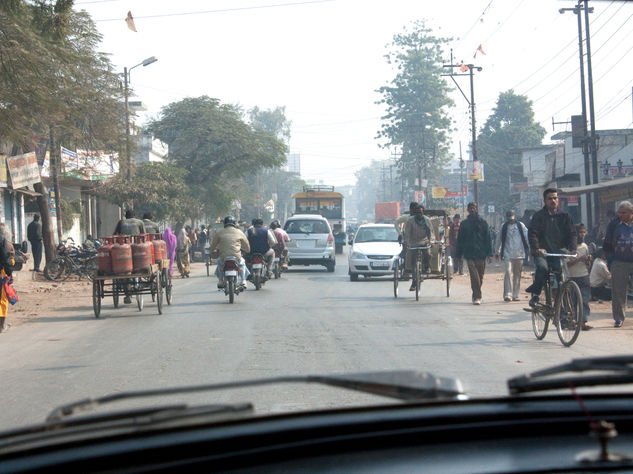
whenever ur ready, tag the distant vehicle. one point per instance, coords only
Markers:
(312, 242)
(374, 250)
(386, 212)
(324, 201)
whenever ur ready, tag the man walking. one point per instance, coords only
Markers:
(618, 247)
(473, 244)
(512, 248)
(34, 234)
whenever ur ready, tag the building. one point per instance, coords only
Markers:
(293, 165)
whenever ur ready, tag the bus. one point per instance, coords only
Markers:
(322, 200)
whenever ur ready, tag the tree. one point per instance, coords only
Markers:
(273, 121)
(417, 103)
(212, 143)
(511, 125)
(155, 187)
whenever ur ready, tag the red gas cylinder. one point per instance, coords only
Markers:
(141, 253)
(104, 256)
(121, 255)
(162, 246)
(150, 237)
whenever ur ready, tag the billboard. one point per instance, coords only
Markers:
(23, 170)
(475, 170)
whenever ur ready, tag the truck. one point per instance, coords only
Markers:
(387, 212)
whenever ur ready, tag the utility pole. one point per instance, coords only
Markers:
(461, 180)
(593, 143)
(471, 71)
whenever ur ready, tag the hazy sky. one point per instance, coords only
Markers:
(323, 60)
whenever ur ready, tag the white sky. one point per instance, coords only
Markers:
(323, 60)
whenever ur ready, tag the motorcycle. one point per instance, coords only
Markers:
(20, 257)
(71, 260)
(231, 270)
(277, 264)
(257, 268)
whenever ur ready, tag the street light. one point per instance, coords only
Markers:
(126, 74)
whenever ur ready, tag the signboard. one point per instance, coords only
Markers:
(4, 179)
(475, 170)
(23, 170)
(491, 209)
(441, 193)
(420, 197)
(84, 164)
(572, 200)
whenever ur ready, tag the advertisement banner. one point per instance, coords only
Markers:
(420, 197)
(4, 179)
(442, 193)
(23, 170)
(475, 170)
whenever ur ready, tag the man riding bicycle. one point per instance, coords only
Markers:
(417, 233)
(550, 231)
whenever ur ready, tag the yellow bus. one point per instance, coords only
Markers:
(324, 201)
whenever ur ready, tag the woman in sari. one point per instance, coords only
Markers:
(6, 269)
(171, 241)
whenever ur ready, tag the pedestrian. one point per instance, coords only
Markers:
(193, 242)
(34, 235)
(130, 225)
(512, 247)
(578, 271)
(6, 271)
(453, 232)
(618, 247)
(171, 242)
(599, 276)
(182, 250)
(473, 244)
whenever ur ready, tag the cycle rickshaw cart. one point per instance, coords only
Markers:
(152, 281)
(441, 263)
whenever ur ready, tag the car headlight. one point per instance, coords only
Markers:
(358, 255)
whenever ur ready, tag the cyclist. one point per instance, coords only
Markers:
(550, 231)
(417, 233)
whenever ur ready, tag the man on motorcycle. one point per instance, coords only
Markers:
(282, 237)
(230, 242)
(262, 241)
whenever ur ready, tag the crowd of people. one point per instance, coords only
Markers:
(601, 267)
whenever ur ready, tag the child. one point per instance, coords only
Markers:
(599, 277)
(579, 272)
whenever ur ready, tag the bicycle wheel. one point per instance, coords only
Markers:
(540, 322)
(569, 313)
(418, 278)
(54, 269)
(96, 297)
(448, 274)
(396, 276)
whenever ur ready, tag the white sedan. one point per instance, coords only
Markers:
(373, 251)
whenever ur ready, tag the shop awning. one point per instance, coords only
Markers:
(25, 191)
(614, 190)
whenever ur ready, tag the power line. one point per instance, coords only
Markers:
(223, 10)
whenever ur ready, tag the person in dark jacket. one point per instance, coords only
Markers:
(618, 247)
(34, 235)
(550, 231)
(474, 245)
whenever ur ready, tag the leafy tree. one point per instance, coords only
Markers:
(511, 125)
(212, 143)
(272, 121)
(156, 187)
(417, 102)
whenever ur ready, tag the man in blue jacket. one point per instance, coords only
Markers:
(262, 241)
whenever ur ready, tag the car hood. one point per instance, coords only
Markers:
(378, 248)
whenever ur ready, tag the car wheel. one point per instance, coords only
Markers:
(353, 276)
(330, 266)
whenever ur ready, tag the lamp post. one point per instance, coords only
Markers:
(126, 74)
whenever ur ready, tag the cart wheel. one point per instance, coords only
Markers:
(159, 293)
(168, 293)
(139, 302)
(152, 287)
(396, 276)
(96, 297)
(115, 293)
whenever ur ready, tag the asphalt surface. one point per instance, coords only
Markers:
(308, 322)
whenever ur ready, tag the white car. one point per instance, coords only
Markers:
(373, 251)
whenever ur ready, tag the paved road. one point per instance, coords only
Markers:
(310, 321)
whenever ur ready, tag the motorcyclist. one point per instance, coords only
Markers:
(230, 242)
(262, 241)
(282, 237)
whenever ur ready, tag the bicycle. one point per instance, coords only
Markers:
(565, 308)
(417, 268)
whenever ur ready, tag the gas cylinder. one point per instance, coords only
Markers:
(150, 237)
(141, 253)
(104, 256)
(161, 245)
(121, 255)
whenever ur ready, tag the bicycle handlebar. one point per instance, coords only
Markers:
(562, 255)
(426, 247)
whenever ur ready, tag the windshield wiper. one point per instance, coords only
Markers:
(402, 385)
(620, 368)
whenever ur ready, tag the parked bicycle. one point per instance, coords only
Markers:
(71, 260)
(563, 305)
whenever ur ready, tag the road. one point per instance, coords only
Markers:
(309, 322)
